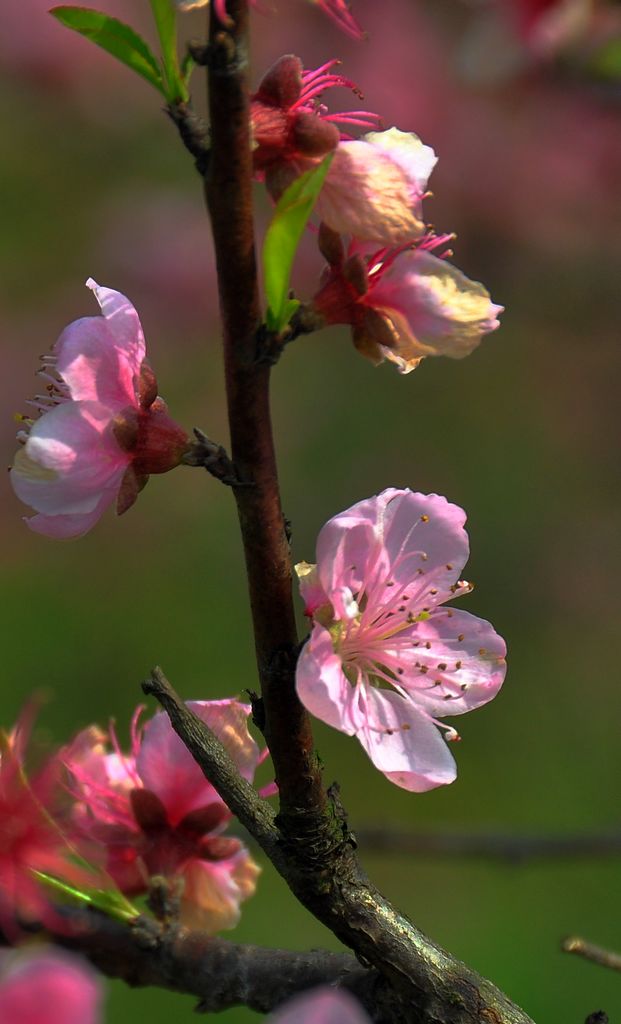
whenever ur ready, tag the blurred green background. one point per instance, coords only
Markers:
(524, 434)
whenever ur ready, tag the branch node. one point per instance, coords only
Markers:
(213, 457)
(193, 132)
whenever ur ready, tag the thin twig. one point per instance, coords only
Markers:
(515, 849)
(266, 548)
(588, 950)
(242, 799)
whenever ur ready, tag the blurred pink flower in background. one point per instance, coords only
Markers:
(509, 35)
(404, 304)
(101, 430)
(41, 986)
(34, 824)
(152, 812)
(338, 10)
(321, 1006)
(385, 659)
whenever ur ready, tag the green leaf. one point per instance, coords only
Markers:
(282, 239)
(111, 902)
(116, 38)
(187, 67)
(166, 22)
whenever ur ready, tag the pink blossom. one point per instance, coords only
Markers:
(321, 1006)
(101, 428)
(375, 187)
(47, 987)
(338, 10)
(291, 127)
(33, 828)
(152, 812)
(510, 34)
(403, 304)
(385, 659)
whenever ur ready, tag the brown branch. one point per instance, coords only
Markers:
(421, 983)
(597, 954)
(242, 799)
(266, 548)
(515, 849)
(220, 974)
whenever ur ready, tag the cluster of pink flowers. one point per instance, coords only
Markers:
(386, 658)
(403, 300)
(152, 812)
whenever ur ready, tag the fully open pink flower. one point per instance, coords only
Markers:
(338, 10)
(375, 187)
(321, 1006)
(386, 659)
(48, 987)
(153, 812)
(292, 129)
(101, 428)
(403, 304)
(33, 830)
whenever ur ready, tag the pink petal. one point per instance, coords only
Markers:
(167, 768)
(70, 461)
(440, 311)
(414, 541)
(321, 1006)
(99, 357)
(375, 185)
(404, 744)
(462, 660)
(50, 987)
(213, 891)
(322, 686)
(406, 149)
(70, 527)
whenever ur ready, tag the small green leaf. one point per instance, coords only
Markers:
(116, 38)
(110, 902)
(282, 239)
(166, 22)
(187, 67)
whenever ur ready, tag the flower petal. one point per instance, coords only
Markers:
(213, 891)
(322, 686)
(168, 769)
(370, 194)
(399, 537)
(404, 744)
(458, 663)
(99, 357)
(70, 461)
(435, 308)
